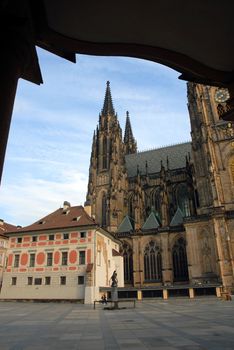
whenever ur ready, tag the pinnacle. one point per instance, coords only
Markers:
(108, 104)
(128, 135)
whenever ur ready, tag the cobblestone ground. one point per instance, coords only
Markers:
(183, 324)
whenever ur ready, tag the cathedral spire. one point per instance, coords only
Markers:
(108, 104)
(129, 140)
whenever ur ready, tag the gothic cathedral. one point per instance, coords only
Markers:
(172, 207)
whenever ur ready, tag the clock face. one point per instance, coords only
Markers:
(222, 95)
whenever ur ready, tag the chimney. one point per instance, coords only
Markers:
(66, 205)
(1, 222)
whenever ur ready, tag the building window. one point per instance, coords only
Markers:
(19, 240)
(63, 280)
(51, 237)
(82, 257)
(30, 281)
(16, 262)
(183, 199)
(80, 279)
(47, 280)
(131, 209)
(38, 281)
(64, 258)
(83, 234)
(152, 262)
(32, 260)
(99, 258)
(34, 238)
(128, 263)
(156, 201)
(109, 263)
(180, 264)
(104, 210)
(13, 281)
(104, 163)
(49, 259)
(66, 236)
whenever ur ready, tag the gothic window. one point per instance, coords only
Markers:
(104, 163)
(104, 210)
(183, 199)
(156, 200)
(128, 263)
(152, 263)
(179, 257)
(131, 211)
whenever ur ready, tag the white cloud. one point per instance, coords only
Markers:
(32, 198)
(50, 139)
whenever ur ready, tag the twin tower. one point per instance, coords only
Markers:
(108, 185)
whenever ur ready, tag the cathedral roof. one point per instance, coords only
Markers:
(174, 155)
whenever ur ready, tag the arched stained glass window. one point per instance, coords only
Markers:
(179, 257)
(152, 262)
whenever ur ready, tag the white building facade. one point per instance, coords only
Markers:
(64, 256)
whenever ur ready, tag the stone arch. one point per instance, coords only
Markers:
(152, 262)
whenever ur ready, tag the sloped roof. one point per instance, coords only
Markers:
(125, 225)
(5, 227)
(151, 222)
(175, 154)
(115, 253)
(177, 218)
(72, 217)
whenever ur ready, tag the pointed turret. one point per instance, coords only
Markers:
(129, 140)
(108, 104)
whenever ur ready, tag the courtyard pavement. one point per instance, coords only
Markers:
(183, 324)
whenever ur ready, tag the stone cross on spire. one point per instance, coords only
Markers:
(108, 104)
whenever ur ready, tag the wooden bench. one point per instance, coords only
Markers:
(111, 302)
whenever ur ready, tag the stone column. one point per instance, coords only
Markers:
(166, 259)
(224, 252)
(192, 249)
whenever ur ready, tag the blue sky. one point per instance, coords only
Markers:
(49, 145)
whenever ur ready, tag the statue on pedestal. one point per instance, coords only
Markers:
(114, 279)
